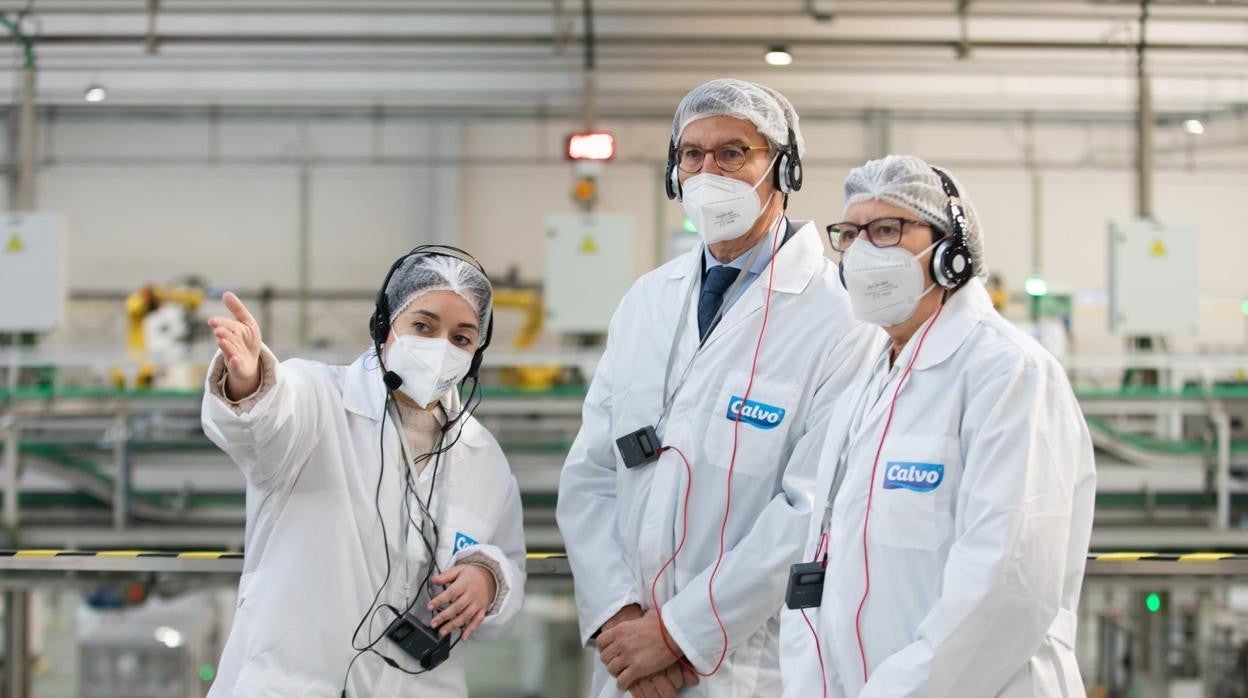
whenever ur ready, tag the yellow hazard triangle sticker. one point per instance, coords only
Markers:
(15, 244)
(589, 245)
(1158, 249)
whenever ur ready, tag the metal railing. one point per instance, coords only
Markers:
(1204, 564)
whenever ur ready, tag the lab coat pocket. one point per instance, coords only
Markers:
(765, 419)
(915, 481)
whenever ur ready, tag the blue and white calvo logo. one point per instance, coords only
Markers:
(757, 414)
(916, 477)
(462, 541)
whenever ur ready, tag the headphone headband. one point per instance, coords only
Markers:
(957, 215)
(952, 265)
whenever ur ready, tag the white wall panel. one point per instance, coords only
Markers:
(490, 183)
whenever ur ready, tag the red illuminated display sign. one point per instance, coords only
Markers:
(591, 146)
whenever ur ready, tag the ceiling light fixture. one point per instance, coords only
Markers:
(95, 93)
(778, 55)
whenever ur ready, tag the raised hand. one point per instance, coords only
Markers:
(238, 338)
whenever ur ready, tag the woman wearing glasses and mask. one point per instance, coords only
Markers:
(383, 522)
(953, 505)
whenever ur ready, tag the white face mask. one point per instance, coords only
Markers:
(885, 284)
(429, 366)
(722, 208)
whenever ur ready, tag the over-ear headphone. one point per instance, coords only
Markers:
(379, 322)
(951, 260)
(671, 179)
(786, 175)
(788, 172)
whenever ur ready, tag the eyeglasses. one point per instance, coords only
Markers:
(881, 232)
(728, 158)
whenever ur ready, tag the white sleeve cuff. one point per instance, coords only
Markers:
(683, 643)
(477, 558)
(217, 375)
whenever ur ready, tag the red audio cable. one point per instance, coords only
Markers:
(866, 563)
(684, 526)
(823, 672)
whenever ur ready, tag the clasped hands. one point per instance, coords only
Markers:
(634, 647)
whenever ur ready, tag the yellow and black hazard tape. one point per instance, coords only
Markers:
(222, 555)
(185, 555)
(1165, 557)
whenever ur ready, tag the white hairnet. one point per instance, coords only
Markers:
(909, 182)
(426, 273)
(762, 106)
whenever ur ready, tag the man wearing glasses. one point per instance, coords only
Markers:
(685, 497)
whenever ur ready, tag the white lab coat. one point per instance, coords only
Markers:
(974, 584)
(310, 453)
(620, 525)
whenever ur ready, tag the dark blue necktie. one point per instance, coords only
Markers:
(718, 279)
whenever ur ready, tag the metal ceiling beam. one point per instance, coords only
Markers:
(568, 112)
(894, 43)
(1201, 11)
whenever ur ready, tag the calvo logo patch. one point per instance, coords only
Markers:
(754, 413)
(462, 541)
(916, 477)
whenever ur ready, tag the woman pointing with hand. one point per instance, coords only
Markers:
(383, 522)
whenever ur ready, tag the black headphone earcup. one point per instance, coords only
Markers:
(795, 175)
(375, 329)
(960, 267)
(671, 178)
(672, 182)
(788, 175)
(937, 264)
(951, 264)
(788, 179)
